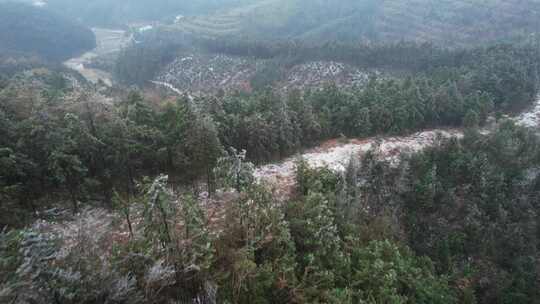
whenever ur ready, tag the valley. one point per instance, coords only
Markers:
(269, 151)
(109, 43)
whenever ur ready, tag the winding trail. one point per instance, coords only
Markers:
(168, 86)
(172, 88)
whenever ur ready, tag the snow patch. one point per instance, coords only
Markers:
(282, 176)
(530, 119)
(145, 28)
(39, 3)
(336, 156)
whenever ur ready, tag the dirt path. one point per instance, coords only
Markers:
(172, 88)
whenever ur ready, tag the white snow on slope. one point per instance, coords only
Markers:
(531, 118)
(336, 155)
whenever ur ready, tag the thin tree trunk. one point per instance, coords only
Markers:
(73, 200)
(128, 218)
(209, 181)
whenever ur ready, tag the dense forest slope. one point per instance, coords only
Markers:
(28, 30)
(413, 179)
(453, 23)
(114, 13)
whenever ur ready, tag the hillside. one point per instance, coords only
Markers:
(428, 219)
(28, 30)
(210, 73)
(453, 23)
(278, 18)
(121, 12)
(269, 151)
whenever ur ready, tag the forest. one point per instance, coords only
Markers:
(27, 31)
(443, 227)
(458, 23)
(459, 227)
(118, 13)
(139, 192)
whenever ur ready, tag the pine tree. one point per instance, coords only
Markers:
(471, 119)
(321, 261)
(363, 124)
(204, 148)
(159, 214)
(195, 251)
(261, 244)
(303, 117)
(174, 122)
(69, 170)
(234, 171)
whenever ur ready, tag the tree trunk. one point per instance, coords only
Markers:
(73, 200)
(128, 218)
(209, 181)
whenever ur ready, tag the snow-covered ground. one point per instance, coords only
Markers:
(203, 74)
(317, 74)
(335, 155)
(172, 88)
(39, 3)
(531, 118)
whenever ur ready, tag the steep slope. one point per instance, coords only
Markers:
(29, 30)
(199, 74)
(461, 22)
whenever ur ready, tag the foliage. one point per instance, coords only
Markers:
(234, 171)
(454, 223)
(180, 243)
(470, 204)
(87, 148)
(383, 273)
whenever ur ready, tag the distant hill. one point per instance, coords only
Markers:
(109, 13)
(445, 22)
(27, 30)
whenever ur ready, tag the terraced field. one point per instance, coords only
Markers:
(455, 23)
